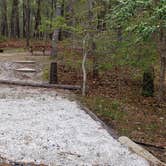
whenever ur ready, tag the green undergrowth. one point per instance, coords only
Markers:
(45, 74)
(15, 50)
(105, 107)
(3, 38)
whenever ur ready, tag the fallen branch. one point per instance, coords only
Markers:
(41, 85)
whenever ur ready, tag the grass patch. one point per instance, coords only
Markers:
(15, 50)
(46, 71)
(105, 107)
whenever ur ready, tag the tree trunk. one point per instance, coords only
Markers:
(15, 29)
(56, 34)
(69, 17)
(4, 24)
(24, 19)
(38, 19)
(62, 14)
(93, 44)
(51, 16)
(85, 54)
(95, 61)
(161, 43)
(162, 78)
(101, 24)
(27, 22)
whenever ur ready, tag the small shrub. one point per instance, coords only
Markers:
(104, 107)
(45, 74)
(115, 105)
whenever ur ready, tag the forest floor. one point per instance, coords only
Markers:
(115, 97)
(44, 126)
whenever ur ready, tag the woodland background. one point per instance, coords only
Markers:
(121, 46)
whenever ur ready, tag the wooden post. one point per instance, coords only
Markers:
(148, 83)
(53, 73)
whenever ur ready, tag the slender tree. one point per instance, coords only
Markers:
(56, 33)
(15, 23)
(37, 19)
(24, 18)
(4, 23)
(27, 22)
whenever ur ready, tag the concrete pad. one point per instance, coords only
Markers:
(140, 150)
(27, 70)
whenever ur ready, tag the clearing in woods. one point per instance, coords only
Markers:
(42, 126)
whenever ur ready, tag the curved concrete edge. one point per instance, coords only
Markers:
(111, 131)
(140, 151)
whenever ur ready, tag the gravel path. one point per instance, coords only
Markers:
(8, 71)
(41, 126)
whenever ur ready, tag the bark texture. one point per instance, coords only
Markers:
(38, 19)
(4, 23)
(15, 27)
(57, 31)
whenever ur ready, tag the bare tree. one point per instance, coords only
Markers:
(85, 54)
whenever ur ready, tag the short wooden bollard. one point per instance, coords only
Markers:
(148, 83)
(53, 73)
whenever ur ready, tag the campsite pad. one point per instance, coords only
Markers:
(42, 126)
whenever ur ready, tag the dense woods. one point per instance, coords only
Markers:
(128, 24)
(114, 49)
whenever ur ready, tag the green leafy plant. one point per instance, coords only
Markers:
(146, 20)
